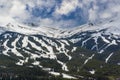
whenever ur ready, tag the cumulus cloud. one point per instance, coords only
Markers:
(67, 6)
(18, 10)
(105, 15)
(93, 12)
(12, 10)
(57, 13)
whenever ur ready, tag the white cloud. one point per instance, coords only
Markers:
(112, 10)
(54, 23)
(115, 9)
(5, 20)
(12, 9)
(93, 12)
(90, 10)
(18, 9)
(105, 15)
(15, 10)
(92, 15)
(67, 6)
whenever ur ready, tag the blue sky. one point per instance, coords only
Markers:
(58, 13)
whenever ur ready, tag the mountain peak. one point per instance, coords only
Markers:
(111, 26)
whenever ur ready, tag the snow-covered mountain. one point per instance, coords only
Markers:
(111, 27)
(55, 50)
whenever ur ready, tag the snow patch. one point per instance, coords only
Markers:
(89, 58)
(64, 67)
(74, 49)
(92, 71)
(106, 61)
(54, 73)
(68, 76)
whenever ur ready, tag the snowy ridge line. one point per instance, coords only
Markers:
(110, 27)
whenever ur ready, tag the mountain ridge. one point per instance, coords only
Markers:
(111, 26)
(72, 50)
